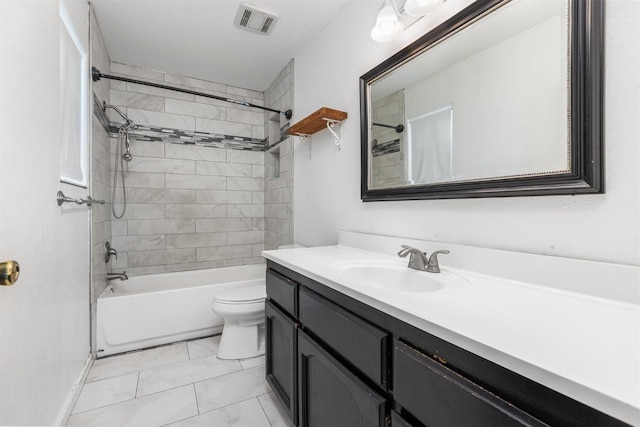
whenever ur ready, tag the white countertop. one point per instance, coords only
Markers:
(584, 346)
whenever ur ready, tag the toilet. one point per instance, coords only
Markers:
(242, 309)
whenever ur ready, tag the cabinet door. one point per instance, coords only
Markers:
(281, 357)
(330, 395)
(439, 397)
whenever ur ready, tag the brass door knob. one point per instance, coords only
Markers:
(9, 273)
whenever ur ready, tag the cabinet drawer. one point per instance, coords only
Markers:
(362, 344)
(283, 291)
(438, 396)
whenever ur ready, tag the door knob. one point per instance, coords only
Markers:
(9, 273)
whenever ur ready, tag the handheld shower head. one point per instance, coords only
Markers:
(127, 156)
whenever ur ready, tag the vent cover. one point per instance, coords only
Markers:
(255, 19)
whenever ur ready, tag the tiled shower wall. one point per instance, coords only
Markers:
(100, 178)
(189, 207)
(387, 165)
(278, 205)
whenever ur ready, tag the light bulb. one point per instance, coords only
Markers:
(420, 7)
(387, 27)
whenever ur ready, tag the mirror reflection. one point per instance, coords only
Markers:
(489, 102)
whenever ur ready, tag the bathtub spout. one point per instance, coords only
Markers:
(121, 276)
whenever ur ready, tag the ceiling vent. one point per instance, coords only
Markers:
(255, 19)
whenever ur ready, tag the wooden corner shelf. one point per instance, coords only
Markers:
(316, 122)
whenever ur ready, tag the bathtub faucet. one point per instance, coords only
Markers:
(121, 276)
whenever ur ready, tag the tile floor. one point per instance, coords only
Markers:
(183, 384)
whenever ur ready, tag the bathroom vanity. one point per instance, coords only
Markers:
(346, 348)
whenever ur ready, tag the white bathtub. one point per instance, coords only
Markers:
(149, 310)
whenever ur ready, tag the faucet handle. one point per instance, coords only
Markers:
(432, 265)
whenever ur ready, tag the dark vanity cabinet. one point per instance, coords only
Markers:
(281, 340)
(335, 361)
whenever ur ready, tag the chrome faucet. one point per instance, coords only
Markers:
(121, 276)
(418, 260)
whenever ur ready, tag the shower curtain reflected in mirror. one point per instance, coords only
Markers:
(429, 147)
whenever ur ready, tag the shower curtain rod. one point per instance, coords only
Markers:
(97, 75)
(399, 128)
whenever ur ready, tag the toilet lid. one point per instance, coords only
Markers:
(243, 294)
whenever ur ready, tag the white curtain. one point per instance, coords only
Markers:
(430, 138)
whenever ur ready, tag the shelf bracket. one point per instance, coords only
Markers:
(304, 137)
(330, 125)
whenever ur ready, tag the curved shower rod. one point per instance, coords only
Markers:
(97, 75)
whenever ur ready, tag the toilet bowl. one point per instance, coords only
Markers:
(242, 309)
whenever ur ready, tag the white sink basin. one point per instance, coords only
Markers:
(395, 277)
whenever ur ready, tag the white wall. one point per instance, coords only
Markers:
(44, 317)
(327, 193)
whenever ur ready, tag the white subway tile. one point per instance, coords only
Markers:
(222, 169)
(232, 90)
(161, 120)
(198, 240)
(137, 243)
(140, 101)
(194, 83)
(222, 127)
(154, 164)
(241, 183)
(144, 73)
(245, 157)
(246, 211)
(146, 148)
(160, 226)
(194, 109)
(223, 252)
(222, 224)
(144, 180)
(223, 197)
(195, 152)
(144, 211)
(144, 195)
(245, 116)
(200, 182)
(244, 237)
(134, 87)
(196, 211)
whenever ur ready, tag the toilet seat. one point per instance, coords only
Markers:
(242, 295)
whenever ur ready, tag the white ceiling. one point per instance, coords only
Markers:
(197, 38)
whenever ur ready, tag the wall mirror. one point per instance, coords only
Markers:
(503, 99)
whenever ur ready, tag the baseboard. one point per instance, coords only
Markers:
(69, 403)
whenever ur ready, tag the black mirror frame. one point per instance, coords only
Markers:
(586, 121)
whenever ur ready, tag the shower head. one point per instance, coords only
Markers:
(127, 156)
(129, 125)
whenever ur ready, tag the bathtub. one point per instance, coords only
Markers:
(155, 309)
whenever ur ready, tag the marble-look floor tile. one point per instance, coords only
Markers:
(190, 371)
(106, 392)
(228, 389)
(204, 347)
(153, 410)
(274, 410)
(253, 362)
(132, 362)
(243, 414)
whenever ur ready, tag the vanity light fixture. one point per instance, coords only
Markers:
(391, 20)
(388, 26)
(420, 7)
